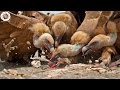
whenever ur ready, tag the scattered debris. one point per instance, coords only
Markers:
(100, 70)
(36, 63)
(12, 72)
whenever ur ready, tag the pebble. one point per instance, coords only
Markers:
(90, 61)
(97, 61)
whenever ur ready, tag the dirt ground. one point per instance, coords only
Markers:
(73, 71)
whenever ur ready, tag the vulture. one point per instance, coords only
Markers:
(64, 52)
(63, 26)
(16, 36)
(36, 14)
(86, 30)
(106, 42)
(93, 24)
(44, 42)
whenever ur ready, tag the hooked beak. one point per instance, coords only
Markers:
(50, 49)
(57, 41)
(53, 57)
(86, 50)
(49, 46)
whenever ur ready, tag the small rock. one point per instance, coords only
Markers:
(90, 61)
(5, 71)
(13, 72)
(97, 61)
(102, 70)
(10, 72)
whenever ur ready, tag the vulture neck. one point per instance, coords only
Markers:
(113, 38)
(78, 47)
(73, 51)
(35, 41)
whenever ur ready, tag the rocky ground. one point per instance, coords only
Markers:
(74, 71)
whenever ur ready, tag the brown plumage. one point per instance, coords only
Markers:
(106, 55)
(86, 29)
(35, 14)
(16, 39)
(117, 21)
(22, 21)
(59, 29)
(80, 37)
(93, 24)
(100, 41)
(39, 28)
(69, 26)
(17, 45)
(42, 38)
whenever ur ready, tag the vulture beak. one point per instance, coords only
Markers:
(54, 56)
(49, 46)
(86, 50)
(90, 47)
(57, 41)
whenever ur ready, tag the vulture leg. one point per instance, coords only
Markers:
(106, 55)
